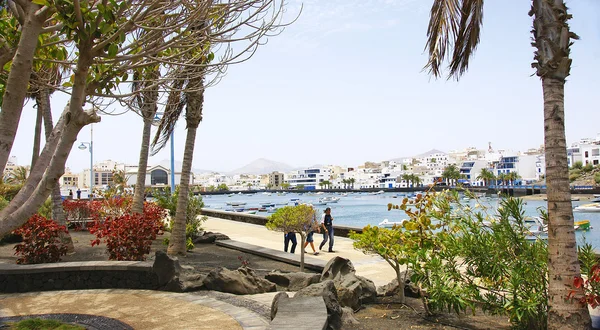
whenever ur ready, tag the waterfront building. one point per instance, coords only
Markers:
(275, 179)
(309, 178)
(471, 169)
(433, 160)
(586, 153)
(69, 180)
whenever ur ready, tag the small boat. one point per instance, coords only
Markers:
(235, 203)
(582, 225)
(251, 212)
(378, 192)
(319, 203)
(267, 204)
(595, 200)
(389, 224)
(538, 230)
(594, 207)
(329, 199)
(294, 199)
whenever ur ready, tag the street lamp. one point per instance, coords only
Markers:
(90, 145)
(172, 138)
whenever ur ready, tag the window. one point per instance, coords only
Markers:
(595, 162)
(595, 152)
(159, 177)
(586, 154)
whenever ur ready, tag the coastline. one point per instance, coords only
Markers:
(541, 197)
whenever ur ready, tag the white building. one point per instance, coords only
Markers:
(309, 178)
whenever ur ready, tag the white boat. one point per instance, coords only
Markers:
(378, 192)
(319, 203)
(389, 224)
(235, 203)
(537, 230)
(329, 199)
(594, 207)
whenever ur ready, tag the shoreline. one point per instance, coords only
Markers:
(541, 197)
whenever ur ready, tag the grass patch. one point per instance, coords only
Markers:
(40, 324)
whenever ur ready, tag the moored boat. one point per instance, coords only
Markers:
(389, 224)
(594, 207)
(582, 225)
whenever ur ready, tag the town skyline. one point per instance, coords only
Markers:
(297, 100)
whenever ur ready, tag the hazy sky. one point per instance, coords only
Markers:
(344, 85)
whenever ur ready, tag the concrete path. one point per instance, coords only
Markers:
(140, 309)
(369, 266)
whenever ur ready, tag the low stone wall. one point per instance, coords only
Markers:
(77, 275)
(341, 231)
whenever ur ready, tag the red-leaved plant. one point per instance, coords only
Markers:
(590, 287)
(41, 241)
(130, 236)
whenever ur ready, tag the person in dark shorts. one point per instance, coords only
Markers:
(310, 240)
(327, 227)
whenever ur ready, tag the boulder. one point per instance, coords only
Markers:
(348, 316)
(193, 282)
(275, 303)
(167, 269)
(352, 290)
(218, 236)
(393, 289)
(326, 289)
(240, 281)
(293, 281)
(205, 239)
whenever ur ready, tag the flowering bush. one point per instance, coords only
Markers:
(588, 287)
(41, 241)
(79, 210)
(130, 236)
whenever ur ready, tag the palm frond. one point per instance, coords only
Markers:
(468, 36)
(173, 109)
(441, 33)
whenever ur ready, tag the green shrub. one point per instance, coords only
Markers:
(45, 209)
(597, 178)
(588, 168)
(193, 222)
(574, 176)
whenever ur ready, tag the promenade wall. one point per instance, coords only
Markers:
(341, 231)
(77, 276)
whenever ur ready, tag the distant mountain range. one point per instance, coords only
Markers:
(178, 165)
(262, 166)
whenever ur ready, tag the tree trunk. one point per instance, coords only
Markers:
(178, 239)
(17, 82)
(37, 134)
(58, 215)
(563, 264)
(140, 184)
(50, 166)
(552, 40)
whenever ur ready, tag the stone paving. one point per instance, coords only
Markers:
(140, 309)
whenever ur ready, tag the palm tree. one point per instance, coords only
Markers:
(300, 187)
(416, 180)
(407, 178)
(453, 33)
(17, 175)
(327, 184)
(321, 184)
(351, 181)
(451, 174)
(486, 175)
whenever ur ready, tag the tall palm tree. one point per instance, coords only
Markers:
(407, 178)
(351, 181)
(486, 175)
(453, 33)
(451, 174)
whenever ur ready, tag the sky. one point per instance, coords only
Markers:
(344, 84)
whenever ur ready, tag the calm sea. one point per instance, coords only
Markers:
(361, 209)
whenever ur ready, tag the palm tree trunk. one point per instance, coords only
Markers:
(37, 134)
(58, 215)
(195, 101)
(140, 185)
(563, 264)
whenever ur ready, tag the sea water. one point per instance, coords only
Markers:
(361, 209)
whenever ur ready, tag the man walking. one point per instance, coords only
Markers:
(327, 226)
(287, 238)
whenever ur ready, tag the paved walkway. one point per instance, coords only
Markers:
(141, 309)
(369, 266)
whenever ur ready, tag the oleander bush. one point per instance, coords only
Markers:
(41, 241)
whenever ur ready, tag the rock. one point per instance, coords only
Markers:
(193, 282)
(293, 281)
(218, 236)
(166, 268)
(205, 239)
(392, 288)
(240, 281)
(326, 289)
(275, 303)
(352, 290)
(348, 316)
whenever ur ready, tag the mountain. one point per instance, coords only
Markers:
(262, 166)
(167, 164)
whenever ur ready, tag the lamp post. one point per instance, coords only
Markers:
(172, 138)
(90, 145)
